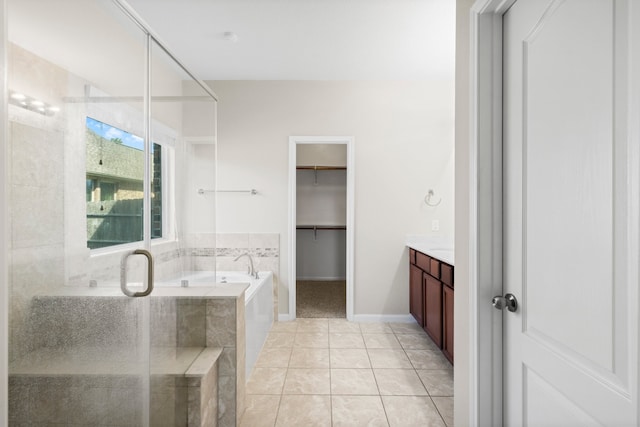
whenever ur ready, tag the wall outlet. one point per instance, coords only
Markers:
(435, 225)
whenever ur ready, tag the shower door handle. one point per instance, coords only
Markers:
(123, 273)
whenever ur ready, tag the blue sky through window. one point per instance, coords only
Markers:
(112, 133)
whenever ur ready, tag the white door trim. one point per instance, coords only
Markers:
(485, 227)
(293, 144)
(4, 224)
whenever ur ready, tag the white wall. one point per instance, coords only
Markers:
(321, 155)
(462, 384)
(403, 146)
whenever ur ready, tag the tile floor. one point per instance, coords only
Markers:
(331, 372)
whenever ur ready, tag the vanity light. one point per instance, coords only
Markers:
(32, 104)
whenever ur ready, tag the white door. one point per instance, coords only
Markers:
(570, 215)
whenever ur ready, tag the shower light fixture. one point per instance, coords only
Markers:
(32, 104)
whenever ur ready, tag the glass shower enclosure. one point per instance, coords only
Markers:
(102, 126)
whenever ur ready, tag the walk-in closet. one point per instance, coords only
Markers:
(321, 206)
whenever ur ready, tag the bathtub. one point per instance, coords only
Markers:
(258, 299)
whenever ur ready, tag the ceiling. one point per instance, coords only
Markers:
(307, 39)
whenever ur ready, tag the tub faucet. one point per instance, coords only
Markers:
(252, 271)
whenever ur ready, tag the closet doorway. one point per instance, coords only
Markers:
(321, 227)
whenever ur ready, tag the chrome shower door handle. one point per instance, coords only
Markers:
(508, 301)
(123, 273)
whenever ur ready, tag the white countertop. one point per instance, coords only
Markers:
(437, 247)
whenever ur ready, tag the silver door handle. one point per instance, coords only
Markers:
(123, 273)
(508, 301)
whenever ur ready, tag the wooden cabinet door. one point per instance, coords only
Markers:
(433, 309)
(415, 294)
(447, 318)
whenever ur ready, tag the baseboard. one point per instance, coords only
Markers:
(365, 318)
(386, 318)
(321, 279)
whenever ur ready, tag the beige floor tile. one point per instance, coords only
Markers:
(289, 327)
(417, 342)
(406, 328)
(313, 325)
(261, 411)
(343, 326)
(350, 411)
(411, 411)
(307, 411)
(279, 339)
(307, 381)
(312, 340)
(445, 407)
(381, 341)
(388, 358)
(346, 340)
(266, 381)
(399, 382)
(427, 359)
(375, 328)
(437, 382)
(309, 358)
(274, 357)
(353, 382)
(349, 358)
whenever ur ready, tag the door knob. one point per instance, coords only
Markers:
(508, 301)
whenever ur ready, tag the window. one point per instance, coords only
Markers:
(115, 186)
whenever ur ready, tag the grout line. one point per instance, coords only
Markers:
(439, 413)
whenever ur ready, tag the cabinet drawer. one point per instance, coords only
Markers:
(434, 268)
(446, 274)
(423, 261)
(412, 256)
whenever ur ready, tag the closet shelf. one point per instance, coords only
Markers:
(321, 227)
(322, 168)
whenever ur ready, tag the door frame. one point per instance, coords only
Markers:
(485, 198)
(294, 141)
(485, 207)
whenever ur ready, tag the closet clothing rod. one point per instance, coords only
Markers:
(315, 228)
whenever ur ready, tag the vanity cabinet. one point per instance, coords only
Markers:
(431, 287)
(415, 294)
(447, 319)
(433, 308)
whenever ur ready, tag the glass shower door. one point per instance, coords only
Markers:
(79, 200)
